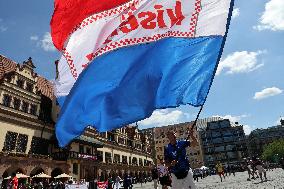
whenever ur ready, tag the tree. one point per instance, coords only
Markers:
(274, 151)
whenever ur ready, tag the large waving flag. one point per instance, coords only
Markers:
(124, 59)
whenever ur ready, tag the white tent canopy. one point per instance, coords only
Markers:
(204, 168)
(42, 175)
(18, 175)
(63, 175)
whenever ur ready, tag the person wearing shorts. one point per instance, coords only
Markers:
(220, 170)
(260, 169)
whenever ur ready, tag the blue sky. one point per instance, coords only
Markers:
(250, 81)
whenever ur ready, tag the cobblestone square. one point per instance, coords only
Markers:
(275, 181)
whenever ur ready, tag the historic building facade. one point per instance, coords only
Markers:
(258, 138)
(25, 120)
(28, 113)
(223, 141)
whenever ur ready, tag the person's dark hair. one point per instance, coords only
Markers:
(13, 174)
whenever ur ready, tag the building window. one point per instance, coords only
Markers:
(140, 162)
(17, 103)
(100, 156)
(33, 109)
(75, 168)
(15, 141)
(108, 157)
(81, 149)
(134, 161)
(10, 141)
(88, 151)
(9, 78)
(116, 158)
(22, 143)
(25, 107)
(124, 159)
(103, 134)
(39, 146)
(29, 87)
(20, 83)
(120, 140)
(6, 100)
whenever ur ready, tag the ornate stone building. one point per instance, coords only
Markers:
(28, 113)
(25, 120)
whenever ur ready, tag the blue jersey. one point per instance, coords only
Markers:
(177, 152)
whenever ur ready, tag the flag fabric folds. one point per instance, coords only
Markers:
(124, 59)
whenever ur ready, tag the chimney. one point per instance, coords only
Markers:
(56, 68)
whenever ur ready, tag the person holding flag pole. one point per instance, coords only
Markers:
(176, 160)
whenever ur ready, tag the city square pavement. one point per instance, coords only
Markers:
(275, 181)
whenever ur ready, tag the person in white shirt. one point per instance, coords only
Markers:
(164, 176)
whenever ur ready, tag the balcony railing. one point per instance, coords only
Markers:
(63, 156)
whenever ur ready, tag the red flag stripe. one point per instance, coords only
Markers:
(69, 13)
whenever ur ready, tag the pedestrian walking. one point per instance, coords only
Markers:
(177, 161)
(155, 176)
(220, 170)
(261, 170)
(14, 181)
(117, 182)
(164, 175)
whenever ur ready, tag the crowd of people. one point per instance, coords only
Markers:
(25, 183)
(173, 171)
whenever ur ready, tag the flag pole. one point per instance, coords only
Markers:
(195, 122)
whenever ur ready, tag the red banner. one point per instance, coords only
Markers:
(102, 185)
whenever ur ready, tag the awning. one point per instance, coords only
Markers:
(89, 141)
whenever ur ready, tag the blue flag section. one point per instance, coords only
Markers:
(127, 85)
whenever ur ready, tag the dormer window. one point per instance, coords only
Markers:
(33, 109)
(25, 106)
(20, 83)
(29, 87)
(17, 103)
(6, 100)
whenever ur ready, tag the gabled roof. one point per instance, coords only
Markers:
(6, 66)
(43, 85)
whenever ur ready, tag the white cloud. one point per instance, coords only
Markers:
(46, 42)
(232, 118)
(247, 129)
(267, 92)
(236, 13)
(277, 122)
(164, 117)
(273, 16)
(34, 38)
(240, 62)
